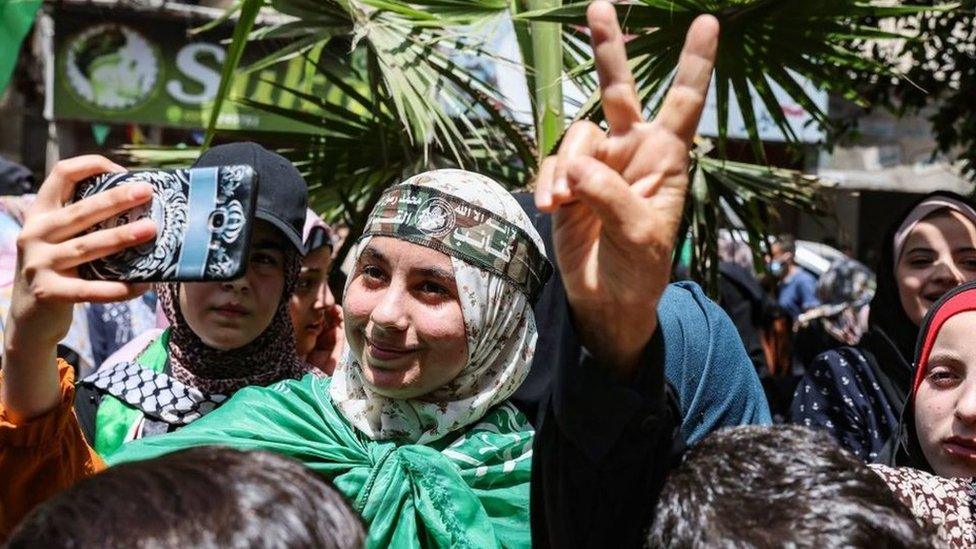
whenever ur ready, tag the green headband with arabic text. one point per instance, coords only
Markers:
(453, 226)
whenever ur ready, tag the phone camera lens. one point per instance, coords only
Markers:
(217, 220)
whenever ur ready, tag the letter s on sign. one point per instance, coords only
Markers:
(189, 65)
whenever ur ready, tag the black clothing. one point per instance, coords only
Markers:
(552, 325)
(883, 358)
(15, 179)
(87, 401)
(892, 334)
(602, 447)
(602, 452)
(744, 301)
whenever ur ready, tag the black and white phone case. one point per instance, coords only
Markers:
(203, 225)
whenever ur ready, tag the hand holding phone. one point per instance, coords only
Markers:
(51, 245)
(203, 225)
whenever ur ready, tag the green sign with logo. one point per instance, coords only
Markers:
(148, 72)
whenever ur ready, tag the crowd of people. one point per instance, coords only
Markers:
(505, 370)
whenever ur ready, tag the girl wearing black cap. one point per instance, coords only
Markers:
(416, 424)
(223, 336)
(858, 392)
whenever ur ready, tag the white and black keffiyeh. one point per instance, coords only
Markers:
(157, 395)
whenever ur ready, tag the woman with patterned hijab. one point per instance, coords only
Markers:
(414, 426)
(222, 336)
(857, 392)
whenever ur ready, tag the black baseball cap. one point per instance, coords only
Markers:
(282, 191)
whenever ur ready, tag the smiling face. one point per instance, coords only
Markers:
(229, 315)
(945, 405)
(312, 299)
(404, 319)
(939, 254)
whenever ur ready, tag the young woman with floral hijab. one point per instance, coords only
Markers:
(415, 425)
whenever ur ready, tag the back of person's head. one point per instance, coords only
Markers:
(786, 243)
(202, 497)
(783, 486)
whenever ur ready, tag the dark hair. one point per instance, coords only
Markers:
(787, 243)
(752, 486)
(317, 238)
(202, 497)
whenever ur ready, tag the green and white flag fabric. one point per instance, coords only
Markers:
(469, 489)
(16, 18)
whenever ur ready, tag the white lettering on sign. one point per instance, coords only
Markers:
(188, 63)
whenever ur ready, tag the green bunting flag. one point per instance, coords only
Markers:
(16, 18)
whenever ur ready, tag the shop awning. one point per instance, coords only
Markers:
(917, 179)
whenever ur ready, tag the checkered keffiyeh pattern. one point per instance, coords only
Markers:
(157, 395)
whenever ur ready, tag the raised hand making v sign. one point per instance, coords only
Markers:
(606, 441)
(617, 196)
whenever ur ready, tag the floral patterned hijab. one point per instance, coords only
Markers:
(499, 264)
(268, 358)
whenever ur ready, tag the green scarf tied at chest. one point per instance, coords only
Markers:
(468, 490)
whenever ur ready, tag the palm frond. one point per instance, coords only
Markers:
(737, 195)
(763, 44)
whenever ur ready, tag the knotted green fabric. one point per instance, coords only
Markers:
(464, 490)
(114, 418)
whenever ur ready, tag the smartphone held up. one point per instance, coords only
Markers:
(203, 225)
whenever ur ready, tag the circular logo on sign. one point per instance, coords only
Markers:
(435, 217)
(111, 67)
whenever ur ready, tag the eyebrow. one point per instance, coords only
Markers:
(918, 249)
(945, 358)
(374, 254)
(926, 249)
(437, 273)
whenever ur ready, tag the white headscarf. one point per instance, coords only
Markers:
(499, 324)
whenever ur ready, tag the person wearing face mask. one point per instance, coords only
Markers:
(797, 288)
(857, 392)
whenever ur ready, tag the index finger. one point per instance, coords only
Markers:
(60, 183)
(684, 102)
(618, 93)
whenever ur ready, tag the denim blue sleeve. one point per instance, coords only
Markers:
(707, 364)
(808, 293)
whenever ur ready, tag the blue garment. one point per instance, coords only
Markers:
(707, 365)
(841, 394)
(798, 292)
(705, 361)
